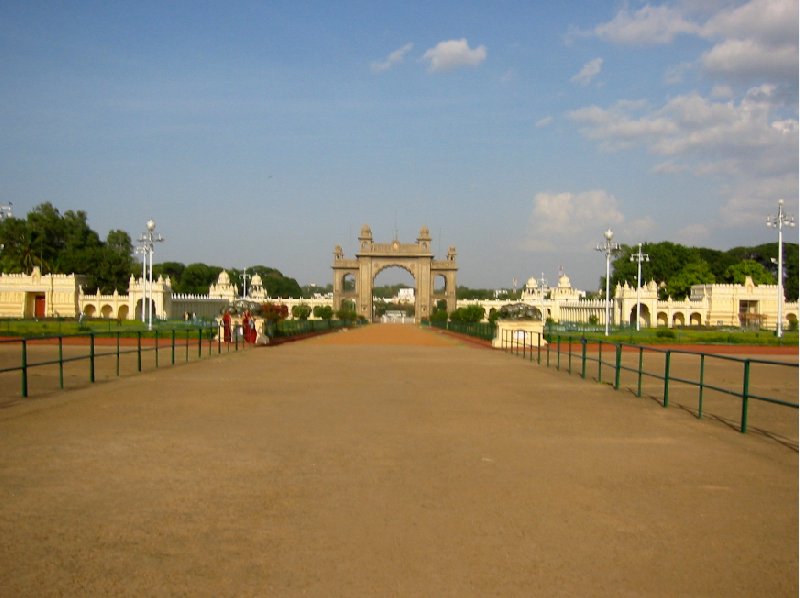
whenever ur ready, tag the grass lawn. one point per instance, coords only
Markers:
(68, 326)
(688, 336)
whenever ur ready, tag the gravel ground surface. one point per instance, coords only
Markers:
(385, 461)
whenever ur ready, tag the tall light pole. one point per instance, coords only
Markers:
(777, 222)
(142, 248)
(245, 276)
(6, 212)
(542, 286)
(639, 257)
(146, 244)
(609, 248)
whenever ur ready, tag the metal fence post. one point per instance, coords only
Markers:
(118, 334)
(173, 346)
(91, 357)
(24, 367)
(569, 355)
(60, 361)
(583, 357)
(745, 394)
(641, 367)
(665, 403)
(702, 376)
(539, 348)
(547, 355)
(139, 350)
(617, 366)
(558, 352)
(600, 361)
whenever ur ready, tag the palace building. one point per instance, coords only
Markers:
(38, 295)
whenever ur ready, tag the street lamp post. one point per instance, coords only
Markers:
(778, 221)
(146, 246)
(609, 248)
(245, 276)
(5, 212)
(542, 286)
(639, 257)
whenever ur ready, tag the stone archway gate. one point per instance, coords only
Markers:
(416, 258)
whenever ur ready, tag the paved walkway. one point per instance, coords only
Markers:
(387, 461)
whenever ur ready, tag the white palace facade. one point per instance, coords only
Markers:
(728, 305)
(40, 295)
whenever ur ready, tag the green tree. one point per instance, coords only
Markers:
(275, 283)
(470, 313)
(323, 312)
(172, 269)
(693, 273)
(737, 273)
(301, 311)
(197, 278)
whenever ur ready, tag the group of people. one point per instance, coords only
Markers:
(246, 330)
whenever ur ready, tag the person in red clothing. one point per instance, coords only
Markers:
(249, 327)
(226, 325)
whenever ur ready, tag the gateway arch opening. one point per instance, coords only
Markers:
(434, 280)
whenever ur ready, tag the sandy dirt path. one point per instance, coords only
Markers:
(385, 461)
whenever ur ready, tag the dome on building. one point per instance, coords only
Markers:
(255, 280)
(223, 278)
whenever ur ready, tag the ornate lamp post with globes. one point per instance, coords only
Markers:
(777, 222)
(609, 248)
(639, 257)
(146, 246)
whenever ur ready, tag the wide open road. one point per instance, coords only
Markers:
(385, 461)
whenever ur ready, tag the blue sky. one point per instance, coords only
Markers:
(269, 132)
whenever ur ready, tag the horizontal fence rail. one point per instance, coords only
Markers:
(698, 377)
(482, 330)
(161, 347)
(58, 359)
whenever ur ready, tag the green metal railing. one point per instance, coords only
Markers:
(647, 363)
(187, 340)
(181, 341)
(288, 328)
(482, 330)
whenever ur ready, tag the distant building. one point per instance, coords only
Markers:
(745, 305)
(405, 296)
(38, 295)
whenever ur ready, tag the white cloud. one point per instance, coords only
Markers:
(589, 71)
(557, 216)
(393, 59)
(752, 41)
(770, 22)
(723, 92)
(748, 59)
(544, 122)
(752, 153)
(669, 167)
(648, 25)
(453, 54)
(743, 138)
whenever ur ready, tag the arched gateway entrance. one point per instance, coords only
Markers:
(434, 279)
